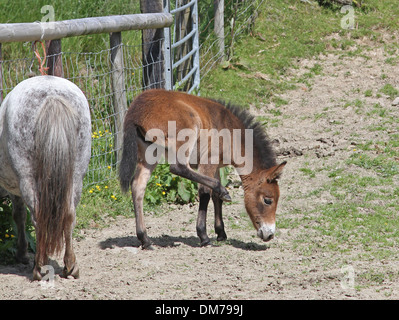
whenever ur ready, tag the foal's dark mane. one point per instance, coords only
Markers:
(262, 142)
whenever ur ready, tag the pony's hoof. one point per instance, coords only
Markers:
(36, 275)
(74, 272)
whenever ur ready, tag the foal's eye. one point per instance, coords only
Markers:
(267, 201)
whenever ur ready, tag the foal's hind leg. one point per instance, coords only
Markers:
(19, 215)
(140, 180)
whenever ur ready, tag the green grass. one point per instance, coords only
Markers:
(362, 213)
(285, 31)
(10, 12)
(389, 90)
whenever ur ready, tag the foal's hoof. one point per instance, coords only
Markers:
(147, 246)
(222, 237)
(225, 197)
(205, 243)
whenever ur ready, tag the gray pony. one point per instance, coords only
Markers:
(45, 143)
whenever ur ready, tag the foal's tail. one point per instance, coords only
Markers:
(55, 153)
(129, 155)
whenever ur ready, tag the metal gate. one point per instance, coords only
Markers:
(181, 47)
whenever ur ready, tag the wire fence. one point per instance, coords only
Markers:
(91, 72)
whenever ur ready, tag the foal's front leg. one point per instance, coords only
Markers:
(217, 204)
(204, 196)
(185, 171)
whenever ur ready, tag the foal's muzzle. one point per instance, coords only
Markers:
(266, 232)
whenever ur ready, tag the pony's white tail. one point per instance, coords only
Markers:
(55, 152)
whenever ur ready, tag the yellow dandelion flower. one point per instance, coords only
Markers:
(113, 197)
(98, 188)
(106, 187)
(163, 192)
(91, 191)
(7, 235)
(109, 167)
(159, 185)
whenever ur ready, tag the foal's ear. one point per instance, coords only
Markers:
(276, 172)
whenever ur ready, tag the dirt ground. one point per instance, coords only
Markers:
(112, 266)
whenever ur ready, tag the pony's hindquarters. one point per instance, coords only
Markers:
(55, 152)
(45, 145)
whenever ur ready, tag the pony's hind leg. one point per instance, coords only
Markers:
(19, 215)
(70, 265)
(38, 265)
(140, 180)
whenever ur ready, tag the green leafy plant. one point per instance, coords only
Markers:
(8, 233)
(167, 187)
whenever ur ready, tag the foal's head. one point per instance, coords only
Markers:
(261, 198)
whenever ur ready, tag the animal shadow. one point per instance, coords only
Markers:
(166, 241)
(25, 270)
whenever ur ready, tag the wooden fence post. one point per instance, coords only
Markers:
(54, 61)
(219, 25)
(1, 76)
(118, 88)
(153, 73)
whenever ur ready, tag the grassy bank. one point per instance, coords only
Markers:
(284, 32)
